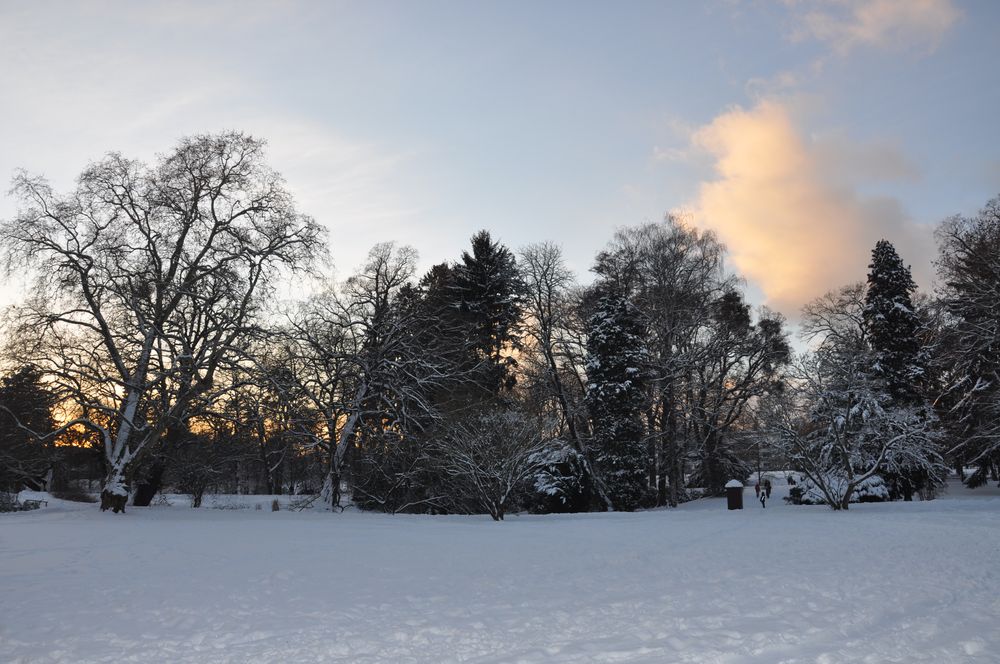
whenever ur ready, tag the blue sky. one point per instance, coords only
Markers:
(800, 131)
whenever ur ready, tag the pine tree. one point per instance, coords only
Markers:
(489, 291)
(891, 324)
(616, 360)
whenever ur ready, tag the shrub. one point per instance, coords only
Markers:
(805, 492)
(560, 483)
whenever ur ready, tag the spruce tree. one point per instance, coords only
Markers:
(489, 291)
(616, 361)
(892, 324)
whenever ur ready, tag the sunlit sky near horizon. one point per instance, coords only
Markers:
(801, 132)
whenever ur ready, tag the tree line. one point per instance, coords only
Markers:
(154, 350)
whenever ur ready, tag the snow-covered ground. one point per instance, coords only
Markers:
(899, 582)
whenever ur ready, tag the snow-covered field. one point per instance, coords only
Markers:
(913, 582)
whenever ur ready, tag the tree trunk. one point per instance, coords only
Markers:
(114, 495)
(676, 474)
(329, 495)
(651, 462)
(113, 502)
(338, 455)
(146, 491)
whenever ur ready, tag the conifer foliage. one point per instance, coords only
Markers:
(892, 324)
(616, 359)
(892, 327)
(490, 289)
(25, 418)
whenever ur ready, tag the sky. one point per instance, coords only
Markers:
(800, 132)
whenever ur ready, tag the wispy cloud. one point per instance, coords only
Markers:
(844, 25)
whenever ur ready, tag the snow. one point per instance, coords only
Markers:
(888, 582)
(734, 484)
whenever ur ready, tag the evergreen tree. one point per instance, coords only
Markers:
(616, 361)
(892, 324)
(25, 417)
(489, 291)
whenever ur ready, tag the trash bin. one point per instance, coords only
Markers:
(734, 494)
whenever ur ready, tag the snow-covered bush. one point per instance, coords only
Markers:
(8, 502)
(560, 483)
(806, 492)
(228, 503)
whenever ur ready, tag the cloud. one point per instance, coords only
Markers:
(897, 24)
(788, 208)
(762, 86)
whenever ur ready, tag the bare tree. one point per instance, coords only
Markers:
(555, 333)
(150, 282)
(362, 361)
(707, 358)
(549, 286)
(199, 461)
(968, 337)
(738, 361)
(487, 457)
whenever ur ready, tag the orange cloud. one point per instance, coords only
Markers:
(786, 209)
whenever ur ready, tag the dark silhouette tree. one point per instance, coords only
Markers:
(27, 450)
(892, 324)
(489, 291)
